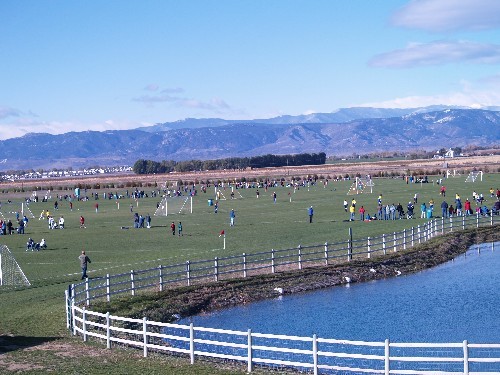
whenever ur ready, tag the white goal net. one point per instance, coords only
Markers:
(175, 206)
(473, 176)
(11, 275)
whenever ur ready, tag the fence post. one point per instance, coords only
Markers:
(477, 220)
(326, 253)
(387, 367)
(369, 248)
(491, 218)
(349, 246)
(160, 269)
(191, 343)
(463, 222)
(300, 257)
(145, 336)
(466, 357)
(73, 317)
(244, 265)
(404, 239)
(249, 351)
(412, 236)
(87, 291)
(66, 294)
(451, 224)
(132, 283)
(273, 270)
(188, 272)
(442, 225)
(384, 244)
(84, 324)
(108, 332)
(395, 242)
(216, 269)
(108, 288)
(315, 354)
(418, 232)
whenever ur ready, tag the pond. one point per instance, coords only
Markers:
(459, 300)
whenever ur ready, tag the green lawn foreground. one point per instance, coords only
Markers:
(37, 313)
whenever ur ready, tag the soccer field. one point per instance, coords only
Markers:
(115, 246)
(33, 319)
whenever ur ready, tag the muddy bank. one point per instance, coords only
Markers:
(186, 301)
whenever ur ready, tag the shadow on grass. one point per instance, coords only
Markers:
(12, 343)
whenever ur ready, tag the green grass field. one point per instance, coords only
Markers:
(260, 226)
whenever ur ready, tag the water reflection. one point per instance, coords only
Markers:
(455, 301)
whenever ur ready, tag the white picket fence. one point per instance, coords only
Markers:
(314, 354)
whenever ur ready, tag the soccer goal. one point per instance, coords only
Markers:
(10, 273)
(24, 210)
(453, 173)
(219, 195)
(473, 176)
(359, 186)
(175, 206)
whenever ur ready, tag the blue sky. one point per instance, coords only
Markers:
(68, 65)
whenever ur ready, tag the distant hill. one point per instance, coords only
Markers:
(409, 130)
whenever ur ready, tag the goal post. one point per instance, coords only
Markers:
(473, 176)
(175, 206)
(11, 275)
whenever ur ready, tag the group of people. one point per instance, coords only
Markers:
(7, 226)
(36, 246)
(392, 211)
(53, 224)
(179, 228)
(141, 221)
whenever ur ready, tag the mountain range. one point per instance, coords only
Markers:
(344, 132)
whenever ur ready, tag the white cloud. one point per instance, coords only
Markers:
(449, 15)
(21, 126)
(309, 112)
(467, 97)
(438, 53)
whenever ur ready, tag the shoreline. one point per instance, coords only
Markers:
(169, 305)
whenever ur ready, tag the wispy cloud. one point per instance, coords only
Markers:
(216, 105)
(437, 53)
(6, 112)
(449, 15)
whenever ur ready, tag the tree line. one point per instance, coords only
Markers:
(143, 166)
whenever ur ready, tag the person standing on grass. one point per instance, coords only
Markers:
(310, 211)
(362, 213)
(345, 205)
(172, 227)
(232, 216)
(352, 211)
(82, 222)
(84, 261)
(179, 229)
(423, 210)
(444, 209)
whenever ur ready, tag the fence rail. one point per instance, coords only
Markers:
(302, 353)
